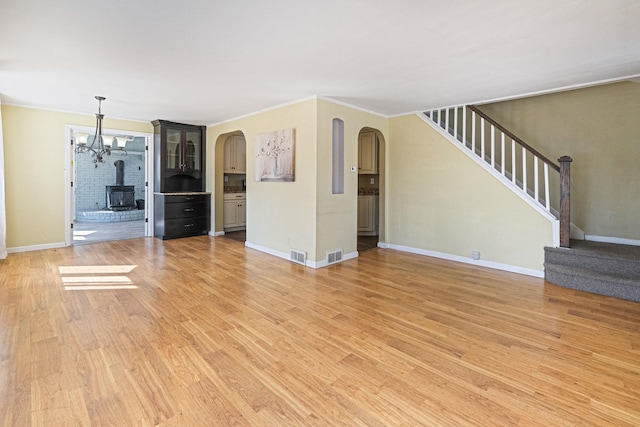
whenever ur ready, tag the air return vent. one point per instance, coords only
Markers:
(334, 256)
(298, 256)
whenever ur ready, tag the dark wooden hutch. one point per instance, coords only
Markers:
(182, 207)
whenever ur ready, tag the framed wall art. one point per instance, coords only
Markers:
(275, 156)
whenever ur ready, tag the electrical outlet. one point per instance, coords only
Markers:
(475, 255)
(373, 180)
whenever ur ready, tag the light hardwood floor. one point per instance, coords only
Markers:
(205, 332)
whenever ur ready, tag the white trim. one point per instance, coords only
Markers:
(555, 230)
(607, 239)
(308, 263)
(353, 107)
(298, 101)
(556, 90)
(633, 77)
(36, 247)
(69, 167)
(324, 263)
(3, 203)
(149, 203)
(216, 233)
(267, 250)
(465, 260)
(264, 110)
(57, 110)
(575, 232)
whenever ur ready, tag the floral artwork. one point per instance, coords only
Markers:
(274, 156)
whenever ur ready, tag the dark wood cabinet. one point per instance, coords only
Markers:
(182, 208)
(179, 156)
(181, 214)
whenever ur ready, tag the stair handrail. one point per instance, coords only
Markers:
(515, 138)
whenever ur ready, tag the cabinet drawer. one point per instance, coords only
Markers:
(185, 210)
(186, 226)
(187, 198)
(234, 196)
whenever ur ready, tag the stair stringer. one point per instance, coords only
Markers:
(555, 223)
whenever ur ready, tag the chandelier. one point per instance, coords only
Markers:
(102, 144)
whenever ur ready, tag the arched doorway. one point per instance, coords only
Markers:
(371, 152)
(231, 182)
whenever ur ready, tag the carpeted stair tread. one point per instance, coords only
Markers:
(607, 250)
(602, 268)
(600, 258)
(590, 281)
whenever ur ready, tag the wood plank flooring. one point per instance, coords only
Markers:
(205, 332)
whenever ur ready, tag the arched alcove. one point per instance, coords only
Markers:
(230, 184)
(371, 188)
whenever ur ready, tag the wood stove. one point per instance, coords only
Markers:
(120, 197)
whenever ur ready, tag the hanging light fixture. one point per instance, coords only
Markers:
(102, 144)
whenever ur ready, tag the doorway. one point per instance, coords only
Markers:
(370, 188)
(234, 185)
(110, 200)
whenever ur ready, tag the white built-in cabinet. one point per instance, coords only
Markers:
(235, 154)
(367, 153)
(234, 210)
(368, 215)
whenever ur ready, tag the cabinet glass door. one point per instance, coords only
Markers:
(173, 149)
(192, 150)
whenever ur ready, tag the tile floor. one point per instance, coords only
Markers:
(91, 232)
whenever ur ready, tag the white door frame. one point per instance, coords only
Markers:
(70, 159)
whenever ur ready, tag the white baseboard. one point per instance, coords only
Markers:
(607, 239)
(457, 258)
(35, 247)
(323, 263)
(285, 255)
(216, 233)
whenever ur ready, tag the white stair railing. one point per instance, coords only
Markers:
(521, 166)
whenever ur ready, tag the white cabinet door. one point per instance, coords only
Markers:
(242, 213)
(366, 218)
(234, 213)
(241, 154)
(230, 213)
(235, 154)
(367, 153)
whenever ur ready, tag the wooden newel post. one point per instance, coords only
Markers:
(565, 204)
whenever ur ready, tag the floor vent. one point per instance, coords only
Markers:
(298, 256)
(334, 256)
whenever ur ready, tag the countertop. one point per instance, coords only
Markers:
(184, 193)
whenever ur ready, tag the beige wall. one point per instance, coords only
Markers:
(303, 214)
(280, 215)
(599, 128)
(433, 197)
(336, 215)
(440, 200)
(34, 149)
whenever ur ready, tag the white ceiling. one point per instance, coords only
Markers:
(206, 61)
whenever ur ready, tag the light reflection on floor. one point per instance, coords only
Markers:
(96, 277)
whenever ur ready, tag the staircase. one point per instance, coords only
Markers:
(517, 165)
(602, 268)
